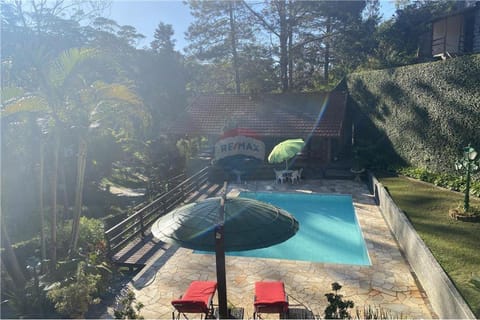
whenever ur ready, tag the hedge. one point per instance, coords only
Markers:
(427, 112)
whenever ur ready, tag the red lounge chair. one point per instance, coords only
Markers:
(197, 299)
(270, 297)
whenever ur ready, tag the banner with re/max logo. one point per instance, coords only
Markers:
(239, 145)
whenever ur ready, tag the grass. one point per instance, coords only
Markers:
(455, 244)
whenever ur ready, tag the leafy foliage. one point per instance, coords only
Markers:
(444, 180)
(26, 103)
(74, 297)
(427, 112)
(62, 68)
(91, 237)
(91, 267)
(402, 39)
(29, 301)
(124, 308)
(163, 38)
(337, 308)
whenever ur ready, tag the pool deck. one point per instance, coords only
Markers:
(388, 283)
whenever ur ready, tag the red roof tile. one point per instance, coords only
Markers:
(281, 115)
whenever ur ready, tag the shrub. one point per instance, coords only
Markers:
(426, 111)
(91, 238)
(124, 308)
(337, 308)
(28, 302)
(73, 297)
(444, 180)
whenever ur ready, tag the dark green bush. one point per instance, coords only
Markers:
(444, 180)
(73, 297)
(428, 112)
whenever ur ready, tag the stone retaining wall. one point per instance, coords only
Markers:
(445, 299)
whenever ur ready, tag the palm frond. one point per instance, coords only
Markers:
(63, 66)
(117, 92)
(120, 100)
(9, 93)
(25, 104)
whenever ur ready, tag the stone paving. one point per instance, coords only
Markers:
(388, 283)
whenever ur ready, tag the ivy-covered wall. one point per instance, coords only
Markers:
(425, 113)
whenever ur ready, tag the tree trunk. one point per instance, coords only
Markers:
(53, 240)
(326, 62)
(281, 6)
(290, 45)
(10, 259)
(63, 182)
(77, 211)
(233, 39)
(43, 250)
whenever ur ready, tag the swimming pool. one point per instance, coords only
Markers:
(329, 231)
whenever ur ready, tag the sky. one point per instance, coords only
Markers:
(146, 15)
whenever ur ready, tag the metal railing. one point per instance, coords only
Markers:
(145, 214)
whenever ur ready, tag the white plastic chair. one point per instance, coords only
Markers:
(279, 176)
(296, 176)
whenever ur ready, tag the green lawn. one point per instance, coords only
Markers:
(455, 245)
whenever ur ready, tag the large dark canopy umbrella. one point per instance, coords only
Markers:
(225, 224)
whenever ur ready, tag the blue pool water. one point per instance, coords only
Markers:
(329, 231)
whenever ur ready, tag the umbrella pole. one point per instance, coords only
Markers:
(220, 263)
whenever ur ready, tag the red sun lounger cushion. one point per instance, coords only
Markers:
(270, 297)
(197, 298)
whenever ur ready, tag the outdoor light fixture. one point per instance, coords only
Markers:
(471, 153)
(470, 164)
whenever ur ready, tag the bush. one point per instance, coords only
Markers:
(444, 180)
(426, 111)
(27, 302)
(73, 297)
(124, 308)
(91, 235)
(78, 281)
(337, 308)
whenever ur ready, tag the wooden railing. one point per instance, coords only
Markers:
(145, 214)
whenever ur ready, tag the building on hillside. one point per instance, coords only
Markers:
(319, 118)
(457, 33)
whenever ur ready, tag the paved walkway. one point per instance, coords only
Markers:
(388, 283)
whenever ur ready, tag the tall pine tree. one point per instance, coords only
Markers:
(219, 33)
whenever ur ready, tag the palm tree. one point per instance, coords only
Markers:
(57, 85)
(16, 102)
(70, 101)
(106, 107)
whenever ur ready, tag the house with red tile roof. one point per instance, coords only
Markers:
(319, 118)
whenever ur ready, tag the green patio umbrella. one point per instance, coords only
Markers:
(285, 150)
(225, 224)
